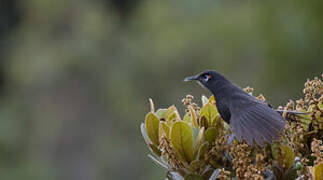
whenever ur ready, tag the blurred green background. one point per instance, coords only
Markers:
(76, 75)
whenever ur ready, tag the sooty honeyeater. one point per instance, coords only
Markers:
(249, 118)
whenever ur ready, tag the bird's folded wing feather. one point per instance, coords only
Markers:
(255, 121)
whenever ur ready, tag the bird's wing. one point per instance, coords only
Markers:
(254, 121)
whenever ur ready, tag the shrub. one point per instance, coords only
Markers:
(196, 145)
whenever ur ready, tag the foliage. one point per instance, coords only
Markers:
(197, 146)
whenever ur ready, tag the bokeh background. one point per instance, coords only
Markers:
(76, 75)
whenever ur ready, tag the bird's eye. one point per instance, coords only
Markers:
(206, 77)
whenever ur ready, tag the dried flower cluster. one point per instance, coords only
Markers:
(247, 166)
(196, 146)
(188, 102)
(241, 160)
(248, 90)
(223, 174)
(169, 154)
(317, 151)
(219, 147)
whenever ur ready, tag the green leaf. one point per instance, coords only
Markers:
(163, 129)
(203, 122)
(306, 119)
(320, 105)
(161, 114)
(284, 155)
(204, 148)
(152, 128)
(210, 134)
(187, 118)
(154, 149)
(144, 134)
(193, 117)
(212, 100)
(169, 115)
(172, 114)
(318, 171)
(215, 122)
(199, 139)
(195, 133)
(288, 156)
(181, 136)
(210, 112)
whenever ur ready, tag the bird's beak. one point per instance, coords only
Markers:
(191, 78)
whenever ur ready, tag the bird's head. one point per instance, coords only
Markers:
(207, 79)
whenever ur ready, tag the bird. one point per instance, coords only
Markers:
(250, 119)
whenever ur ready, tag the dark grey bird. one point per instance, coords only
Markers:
(249, 118)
